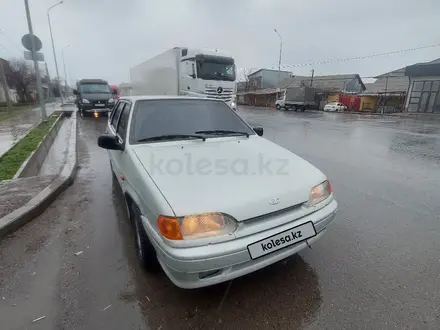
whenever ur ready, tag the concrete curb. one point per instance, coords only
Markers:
(38, 204)
(32, 165)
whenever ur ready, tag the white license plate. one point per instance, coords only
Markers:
(99, 105)
(281, 240)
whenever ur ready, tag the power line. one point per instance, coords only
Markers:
(362, 57)
(330, 61)
(5, 48)
(12, 42)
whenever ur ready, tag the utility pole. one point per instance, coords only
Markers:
(65, 75)
(385, 96)
(5, 86)
(34, 57)
(53, 49)
(49, 83)
(279, 61)
(311, 80)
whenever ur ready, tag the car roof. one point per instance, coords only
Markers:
(163, 97)
(91, 81)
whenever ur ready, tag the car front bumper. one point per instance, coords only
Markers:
(201, 266)
(88, 107)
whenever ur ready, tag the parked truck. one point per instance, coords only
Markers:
(297, 98)
(187, 71)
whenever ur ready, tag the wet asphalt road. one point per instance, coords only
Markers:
(377, 267)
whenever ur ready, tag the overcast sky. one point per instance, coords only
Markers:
(107, 37)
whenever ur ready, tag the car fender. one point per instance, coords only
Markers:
(131, 194)
(143, 190)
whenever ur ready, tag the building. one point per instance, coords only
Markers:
(387, 93)
(13, 97)
(347, 83)
(424, 87)
(331, 86)
(267, 78)
(414, 88)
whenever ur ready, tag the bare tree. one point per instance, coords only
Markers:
(247, 73)
(20, 75)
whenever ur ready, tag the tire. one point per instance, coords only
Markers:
(83, 113)
(278, 107)
(294, 108)
(145, 251)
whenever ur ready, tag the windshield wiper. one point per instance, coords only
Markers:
(222, 132)
(171, 137)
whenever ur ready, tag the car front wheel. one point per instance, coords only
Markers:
(278, 107)
(144, 249)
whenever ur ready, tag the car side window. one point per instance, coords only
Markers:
(123, 122)
(112, 113)
(116, 114)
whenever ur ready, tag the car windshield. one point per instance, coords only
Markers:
(215, 71)
(95, 88)
(153, 118)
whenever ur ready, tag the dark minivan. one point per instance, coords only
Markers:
(93, 96)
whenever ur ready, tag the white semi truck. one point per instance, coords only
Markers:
(187, 71)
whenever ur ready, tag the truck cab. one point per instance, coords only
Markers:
(207, 73)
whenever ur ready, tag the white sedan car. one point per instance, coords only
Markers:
(335, 106)
(209, 198)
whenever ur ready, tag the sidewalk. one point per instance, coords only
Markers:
(15, 128)
(23, 199)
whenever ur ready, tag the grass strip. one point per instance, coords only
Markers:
(12, 160)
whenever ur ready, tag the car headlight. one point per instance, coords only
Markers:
(85, 101)
(233, 104)
(196, 226)
(320, 193)
(111, 100)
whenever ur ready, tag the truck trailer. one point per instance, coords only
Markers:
(187, 71)
(297, 98)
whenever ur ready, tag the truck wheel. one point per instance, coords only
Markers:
(144, 249)
(294, 108)
(278, 107)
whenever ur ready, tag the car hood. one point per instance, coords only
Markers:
(96, 96)
(239, 176)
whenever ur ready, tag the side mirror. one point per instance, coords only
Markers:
(193, 76)
(109, 142)
(75, 92)
(258, 130)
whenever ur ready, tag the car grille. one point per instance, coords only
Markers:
(225, 95)
(282, 212)
(100, 103)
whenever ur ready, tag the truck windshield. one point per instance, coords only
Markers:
(95, 88)
(215, 71)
